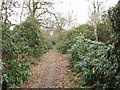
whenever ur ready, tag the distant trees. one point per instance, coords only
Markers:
(56, 26)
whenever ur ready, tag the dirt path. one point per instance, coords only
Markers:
(51, 72)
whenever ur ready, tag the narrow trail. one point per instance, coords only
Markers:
(51, 72)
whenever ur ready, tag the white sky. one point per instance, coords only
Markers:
(77, 8)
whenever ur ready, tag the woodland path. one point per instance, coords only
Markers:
(51, 72)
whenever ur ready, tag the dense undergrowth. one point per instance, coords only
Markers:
(21, 46)
(70, 37)
(97, 62)
(105, 34)
(90, 61)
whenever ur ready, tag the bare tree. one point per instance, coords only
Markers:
(95, 14)
(7, 10)
(39, 9)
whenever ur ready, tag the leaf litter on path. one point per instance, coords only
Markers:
(51, 72)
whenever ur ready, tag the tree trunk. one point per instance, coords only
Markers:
(95, 32)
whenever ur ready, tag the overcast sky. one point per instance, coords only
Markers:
(77, 8)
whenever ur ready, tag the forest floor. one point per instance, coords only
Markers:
(50, 72)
